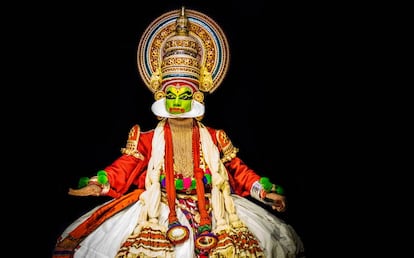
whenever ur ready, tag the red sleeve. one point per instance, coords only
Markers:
(241, 177)
(128, 169)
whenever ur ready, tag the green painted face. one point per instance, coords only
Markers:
(178, 99)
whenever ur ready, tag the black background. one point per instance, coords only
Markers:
(278, 102)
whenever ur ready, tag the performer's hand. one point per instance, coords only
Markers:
(278, 201)
(86, 191)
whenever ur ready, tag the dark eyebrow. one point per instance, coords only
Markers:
(188, 91)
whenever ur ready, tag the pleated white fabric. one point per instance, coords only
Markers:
(277, 238)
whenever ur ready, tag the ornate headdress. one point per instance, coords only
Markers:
(185, 47)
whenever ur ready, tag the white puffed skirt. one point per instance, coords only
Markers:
(277, 238)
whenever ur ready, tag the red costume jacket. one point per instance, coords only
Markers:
(130, 168)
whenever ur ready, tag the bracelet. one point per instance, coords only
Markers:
(104, 187)
(94, 181)
(257, 191)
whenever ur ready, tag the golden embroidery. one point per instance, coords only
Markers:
(226, 146)
(132, 143)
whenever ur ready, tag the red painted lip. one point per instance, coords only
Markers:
(177, 110)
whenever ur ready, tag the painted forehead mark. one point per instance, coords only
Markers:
(179, 89)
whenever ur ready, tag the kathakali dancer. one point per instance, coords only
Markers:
(179, 190)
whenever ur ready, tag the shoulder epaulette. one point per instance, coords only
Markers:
(227, 149)
(132, 143)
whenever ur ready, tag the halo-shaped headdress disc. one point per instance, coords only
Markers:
(212, 47)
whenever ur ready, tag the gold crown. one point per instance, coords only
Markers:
(180, 55)
(183, 45)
